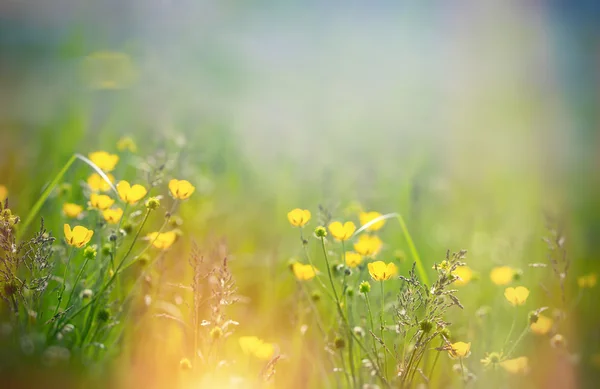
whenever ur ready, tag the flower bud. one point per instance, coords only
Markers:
(320, 232)
(153, 203)
(364, 287)
(90, 252)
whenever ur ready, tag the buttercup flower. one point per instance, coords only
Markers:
(3, 193)
(342, 231)
(104, 160)
(459, 350)
(491, 359)
(366, 217)
(126, 143)
(303, 272)
(97, 183)
(298, 217)
(516, 296)
(101, 202)
(465, 275)
(542, 326)
(502, 275)
(379, 271)
(77, 237)
(130, 194)
(587, 281)
(368, 245)
(72, 210)
(518, 365)
(112, 216)
(251, 345)
(353, 259)
(162, 240)
(181, 189)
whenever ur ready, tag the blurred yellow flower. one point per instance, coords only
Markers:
(303, 272)
(126, 143)
(542, 326)
(101, 202)
(252, 345)
(502, 275)
(130, 194)
(587, 281)
(181, 189)
(516, 296)
(162, 240)
(379, 271)
(77, 237)
(112, 216)
(298, 217)
(185, 364)
(342, 231)
(98, 184)
(368, 245)
(109, 70)
(459, 350)
(465, 275)
(366, 217)
(72, 210)
(104, 160)
(518, 365)
(353, 259)
(3, 193)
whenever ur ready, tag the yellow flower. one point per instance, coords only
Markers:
(3, 193)
(516, 296)
(181, 189)
(342, 231)
(112, 216)
(353, 259)
(379, 271)
(465, 275)
(518, 365)
(459, 350)
(97, 183)
(366, 217)
(126, 143)
(502, 275)
(101, 202)
(104, 160)
(77, 237)
(162, 240)
(368, 245)
(130, 194)
(587, 281)
(251, 345)
(542, 326)
(72, 210)
(298, 217)
(303, 272)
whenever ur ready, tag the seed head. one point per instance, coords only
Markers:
(364, 287)
(153, 203)
(320, 232)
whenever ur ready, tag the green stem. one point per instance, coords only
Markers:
(382, 328)
(512, 327)
(64, 285)
(372, 330)
(77, 280)
(519, 339)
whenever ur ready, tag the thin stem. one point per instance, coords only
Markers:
(519, 339)
(64, 285)
(437, 356)
(77, 280)
(372, 329)
(512, 327)
(382, 328)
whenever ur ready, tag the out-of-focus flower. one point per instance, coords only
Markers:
(130, 194)
(303, 272)
(185, 364)
(368, 245)
(379, 271)
(587, 281)
(252, 345)
(3, 193)
(366, 217)
(516, 296)
(518, 365)
(162, 240)
(341, 231)
(108, 70)
(98, 184)
(78, 236)
(364, 287)
(542, 326)
(72, 210)
(298, 217)
(126, 143)
(112, 216)
(558, 341)
(502, 275)
(104, 160)
(459, 350)
(492, 359)
(353, 259)
(464, 274)
(181, 189)
(101, 202)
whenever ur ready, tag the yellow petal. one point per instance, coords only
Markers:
(3, 194)
(104, 160)
(518, 365)
(72, 210)
(377, 270)
(298, 217)
(137, 193)
(248, 344)
(366, 217)
(542, 326)
(502, 275)
(465, 275)
(390, 271)
(516, 296)
(123, 188)
(353, 259)
(460, 350)
(68, 232)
